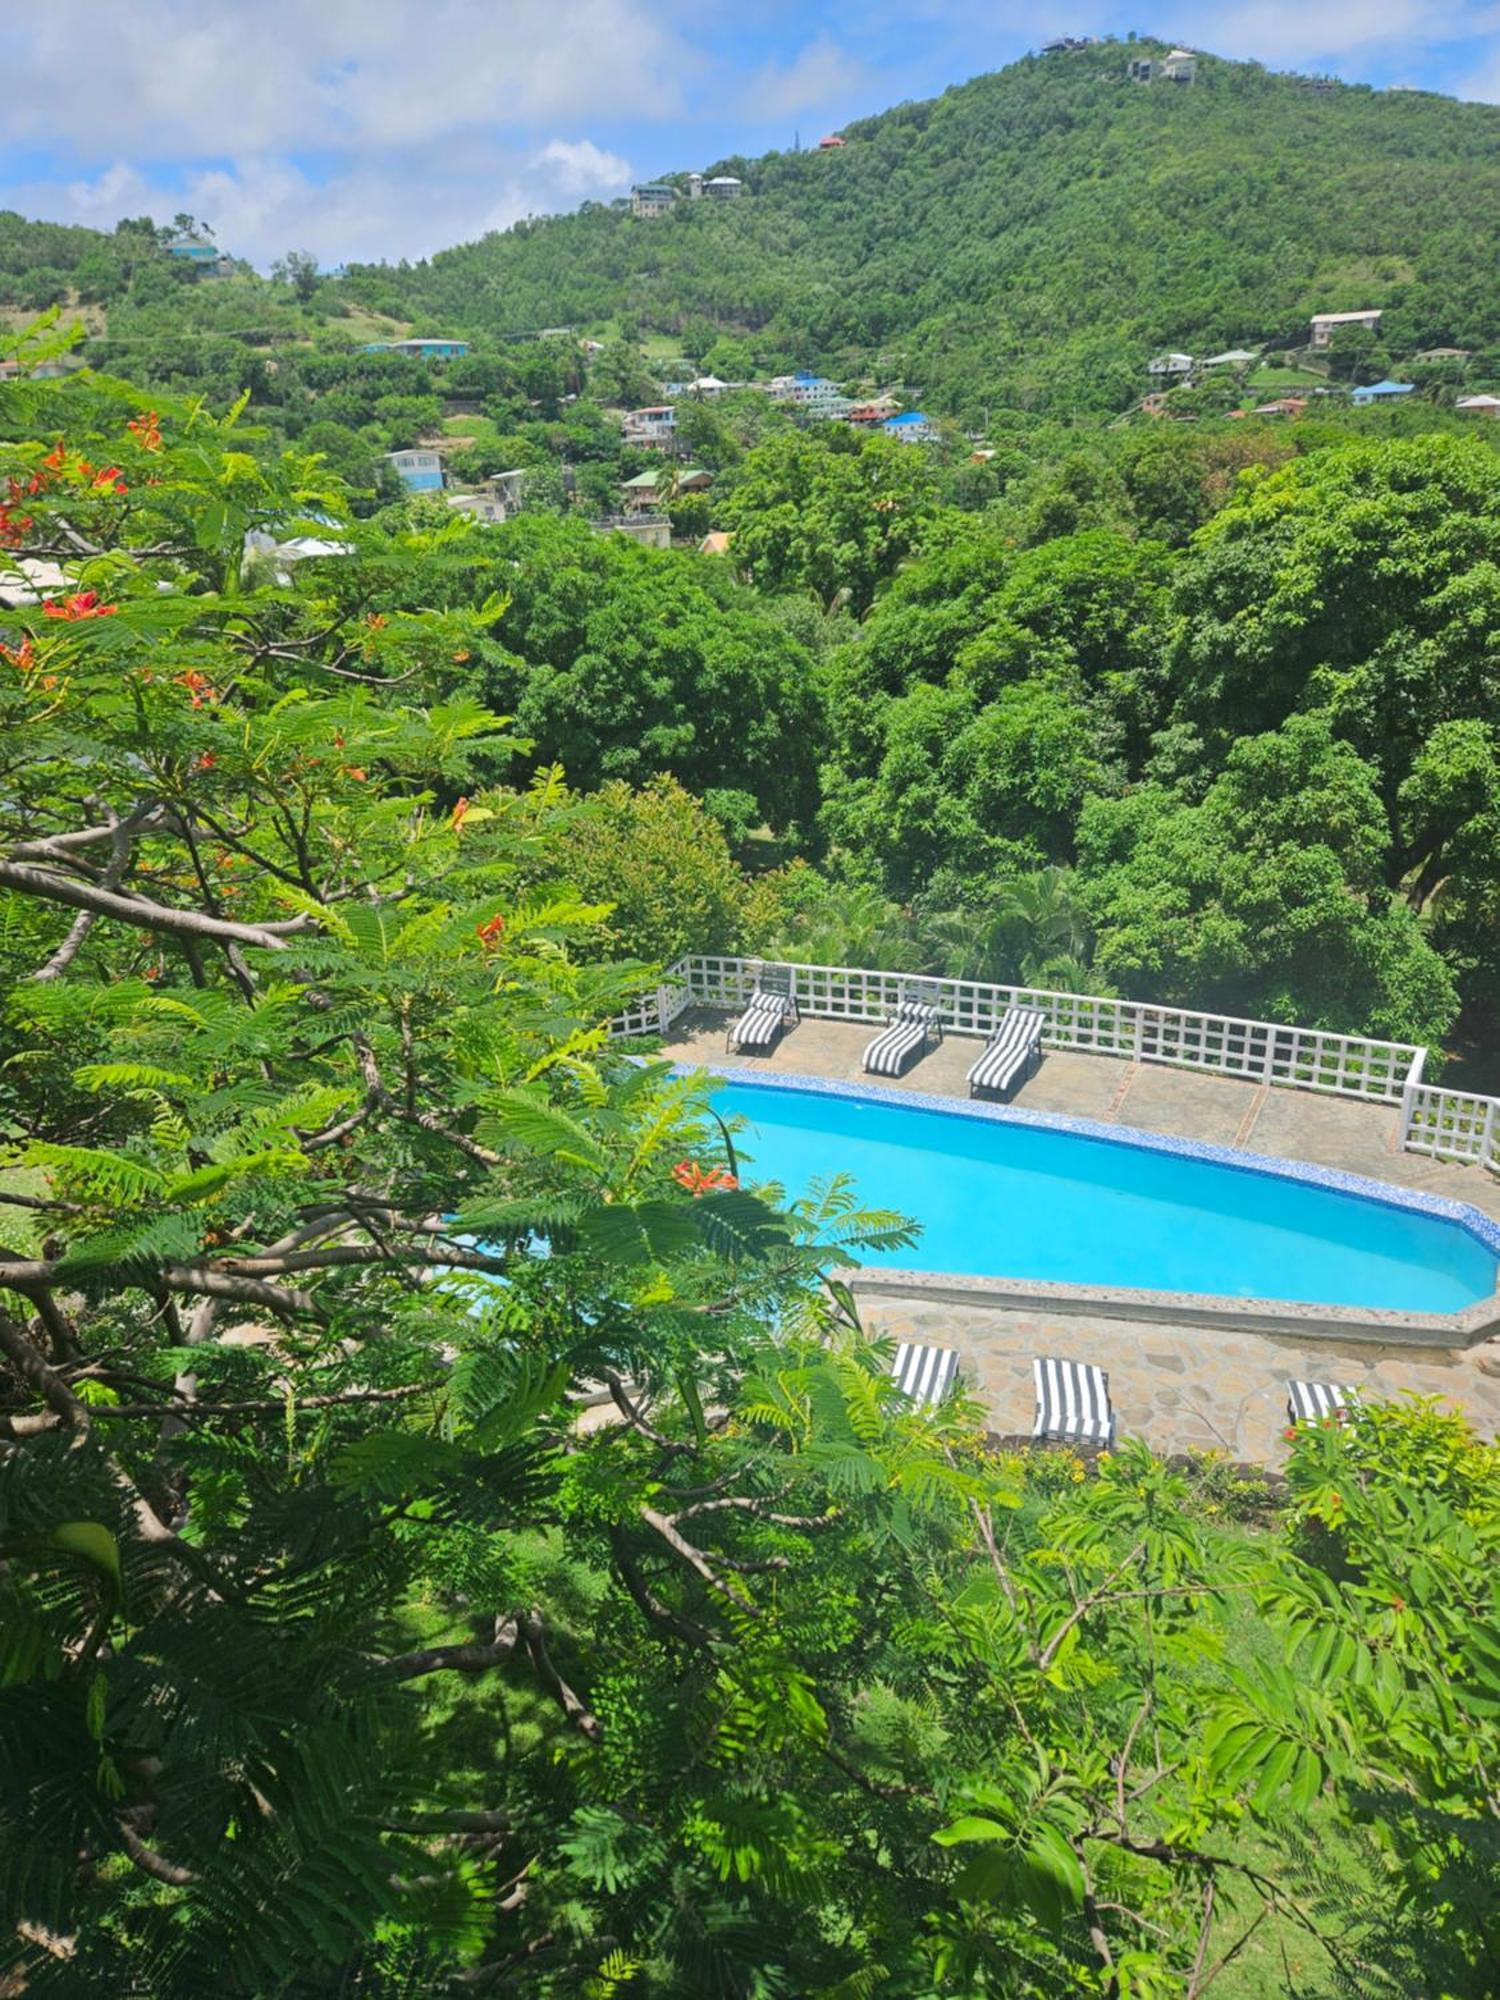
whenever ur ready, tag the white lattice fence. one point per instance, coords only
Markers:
(1453, 1125)
(1258, 1051)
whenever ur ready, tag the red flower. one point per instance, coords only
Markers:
(81, 604)
(12, 527)
(491, 931)
(145, 432)
(56, 459)
(356, 772)
(697, 1180)
(460, 811)
(18, 656)
(198, 687)
(207, 761)
(110, 476)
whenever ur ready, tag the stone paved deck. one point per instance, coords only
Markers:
(1179, 1387)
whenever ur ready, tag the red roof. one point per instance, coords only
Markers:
(833, 139)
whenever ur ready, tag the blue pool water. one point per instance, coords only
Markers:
(1000, 1199)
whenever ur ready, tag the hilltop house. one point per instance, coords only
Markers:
(654, 427)
(1232, 357)
(1324, 325)
(419, 470)
(651, 199)
(723, 187)
(1381, 392)
(1479, 406)
(1181, 66)
(206, 258)
(832, 143)
(911, 427)
(1170, 364)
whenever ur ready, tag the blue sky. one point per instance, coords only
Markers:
(362, 128)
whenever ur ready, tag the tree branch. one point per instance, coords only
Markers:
(143, 915)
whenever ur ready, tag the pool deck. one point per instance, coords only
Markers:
(1180, 1387)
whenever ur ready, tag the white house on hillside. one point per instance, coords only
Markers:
(1324, 325)
(1170, 364)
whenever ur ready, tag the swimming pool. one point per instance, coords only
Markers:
(1016, 1196)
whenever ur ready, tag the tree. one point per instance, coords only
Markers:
(621, 662)
(1267, 898)
(299, 270)
(837, 522)
(656, 857)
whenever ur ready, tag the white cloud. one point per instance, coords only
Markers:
(581, 168)
(819, 75)
(393, 206)
(164, 79)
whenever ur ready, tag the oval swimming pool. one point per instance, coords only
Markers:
(1016, 1198)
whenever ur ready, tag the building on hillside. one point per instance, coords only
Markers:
(652, 531)
(1140, 69)
(819, 400)
(1068, 44)
(1283, 406)
(419, 470)
(1381, 392)
(707, 385)
(206, 258)
(1232, 357)
(591, 347)
(421, 347)
(864, 416)
(911, 427)
(832, 143)
(642, 494)
(1181, 66)
(1479, 406)
(715, 543)
(496, 499)
(655, 427)
(652, 198)
(1325, 325)
(1444, 354)
(694, 186)
(1170, 364)
(723, 187)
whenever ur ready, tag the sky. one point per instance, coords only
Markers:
(362, 129)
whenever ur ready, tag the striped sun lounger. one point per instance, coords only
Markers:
(1316, 1402)
(771, 1007)
(924, 1373)
(1010, 1054)
(1072, 1403)
(904, 1037)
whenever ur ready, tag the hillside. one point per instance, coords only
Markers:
(1030, 237)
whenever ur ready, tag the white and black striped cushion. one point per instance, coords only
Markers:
(756, 1028)
(1316, 1402)
(907, 1031)
(1009, 1049)
(1072, 1401)
(924, 1373)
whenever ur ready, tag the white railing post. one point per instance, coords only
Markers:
(1409, 1096)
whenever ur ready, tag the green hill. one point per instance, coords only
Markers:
(1030, 237)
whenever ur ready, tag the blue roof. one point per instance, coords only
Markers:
(421, 482)
(802, 375)
(906, 417)
(1387, 388)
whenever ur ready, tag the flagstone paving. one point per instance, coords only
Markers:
(1179, 1387)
